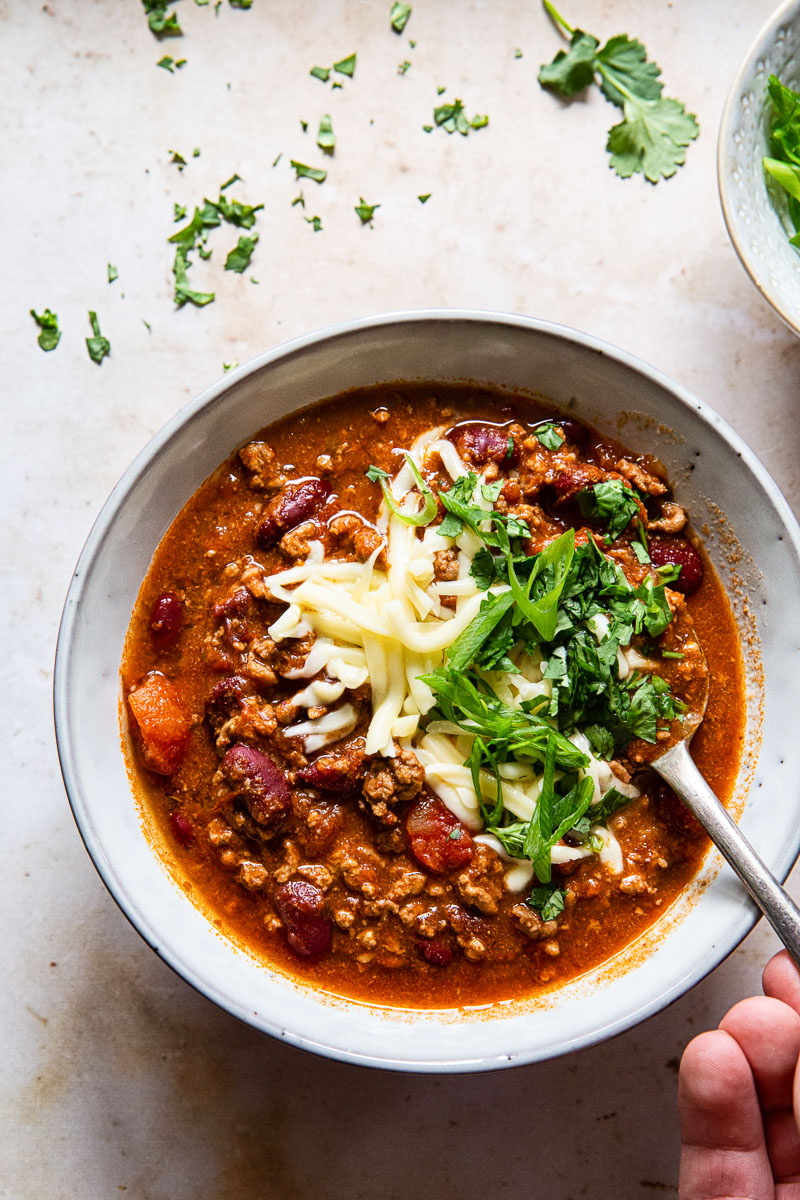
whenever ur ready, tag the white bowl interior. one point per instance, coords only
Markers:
(706, 461)
(755, 210)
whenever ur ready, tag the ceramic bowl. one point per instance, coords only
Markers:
(755, 210)
(755, 546)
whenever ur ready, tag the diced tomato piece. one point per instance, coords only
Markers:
(438, 839)
(163, 723)
(665, 549)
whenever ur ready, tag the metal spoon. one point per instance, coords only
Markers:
(677, 768)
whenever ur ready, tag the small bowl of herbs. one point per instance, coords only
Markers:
(758, 163)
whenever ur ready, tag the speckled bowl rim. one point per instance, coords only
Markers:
(743, 914)
(761, 43)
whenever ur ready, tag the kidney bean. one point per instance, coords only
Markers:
(664, 550)
(166, 621)
(295, 503)
(300, 906)
(341, 772)
(224, 699)
(438, 839)
(260, 783)
(483, 443)
(163, 723)
(181, 827)
(436, 952)
(237, 605)
(573, 431)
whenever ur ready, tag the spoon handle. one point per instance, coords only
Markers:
(680, 772)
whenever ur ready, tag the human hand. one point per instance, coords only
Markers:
(739, 1098)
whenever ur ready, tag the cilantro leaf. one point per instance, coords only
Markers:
(304, 172)
(425, 197)
(548, 435)
(624, 69)
(571, 71)
(547, 900)
(652, 138)
(612, 503)
(98, 346)
(365, 211)
(182, 290)
(239, 258)
(50, 334)
(323, 73)
(453, 118)
(399, 15)
(167, 63)
(113, 273)
(326, 139)
(315, 221)
(346, 66)
(162, 23)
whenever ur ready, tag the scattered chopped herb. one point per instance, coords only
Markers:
(403, 67)
(366, 211)
(98, 346)
(50, 334)
(147, 325)
(241, 3)
(548, 436)
(162, 23)
(453, 118)
(180, 62)
(304, 172)
(654, 133)
(182, 290)
(346, 66)
(423, 199)
(427, 129)
(239, 258)
(783, 164)
(167, 63)
(672, 654)
(412, 43)
(113, 273)
(315, 221)
(326, 139)
(323, 73)
(177, 158)
(304, 126)
(301, 200)
(440, 91)
(517, 53)
(230, 366)
(276, 160)
(336, 84)
(399, 16)
(253, 279)
(196, 152)
(548, 900)
(230, 182)
(455, 835)
(178, 212)
(612, 503)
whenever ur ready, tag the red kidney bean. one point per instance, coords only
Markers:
(436, 952)
(341, 771)
(665, 550)
(259, 782)
(573, 431)
(300, 906)
(181, 827)
(236, 605)
(438, 839)
(166, 621)
(483, 443)
(224, 699)
(295, 503)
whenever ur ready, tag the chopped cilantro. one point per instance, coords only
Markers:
(783, 162)
(425, 197)
(231, 366)
(399, 15)
(241, 3)
(427, 129)
(177, 158)
(167, 63)
(223, 187)
(182, 290)
(315, 221)
(178, 212)
(365, 211)
(304, 172)
(147, 325)
(304, 126)
(672, 654)
(326, 139)
(517, 53)
(196, 152)
(612, 503)
(238, 259)
(113, 273)
(440, 91)
(50, 334)
(301, 200)
(277, 159)
(346, 66)
(548, 436)
(548, 900)
(403, 66)
(323, 73)
(162, 23)
(98, 346)
(455, 834)
(453, 118)
(654, 133)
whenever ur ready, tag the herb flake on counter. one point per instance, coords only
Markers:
(346, 66)
(783, 162)
(162, 23)
(322, 73)
(223, 187)
(655, 131)
(178, 159)
(113, 273)
(315, 221)
(423, 199)
(50, 334)
(398, 17)
(305, 172)
(453, 119)
(178, 212)
(403, 67)
(182, 290)
(167, 63)
(98, 346)
(231, 366)
(365, 211)
(301, 200)
(326, 139)
(239, 258)
(241, 3)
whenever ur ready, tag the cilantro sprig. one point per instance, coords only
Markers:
(49, 333)
(194, 236)
(655, 131)
(783, 162)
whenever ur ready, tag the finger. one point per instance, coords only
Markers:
(768, 1032)
(781, 980)
(723, 1152)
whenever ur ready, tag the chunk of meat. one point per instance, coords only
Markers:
(672, 518)
(664, 550)
(445, 565)
(479, 444)
(642, 479)
(293, 505)
(353, 534)
(259, 783)
(571, 480)
(481, 884)
(259, 460)
(340, 771)
(166, 621)
(392, 780)
(438, 839)
(532, 924)
(316, 825)
(301, 907)
(163, 723)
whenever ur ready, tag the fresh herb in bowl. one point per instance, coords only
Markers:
(783, 162)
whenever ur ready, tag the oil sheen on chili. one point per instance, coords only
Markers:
(391, 687)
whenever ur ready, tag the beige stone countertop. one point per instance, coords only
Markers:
(119, 1079)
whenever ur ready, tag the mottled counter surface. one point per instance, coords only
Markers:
(117, 1077)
